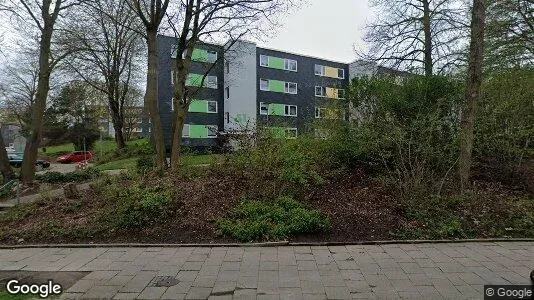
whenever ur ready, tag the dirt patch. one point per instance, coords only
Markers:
(359, 208)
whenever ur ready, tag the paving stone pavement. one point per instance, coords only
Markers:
(393, 271)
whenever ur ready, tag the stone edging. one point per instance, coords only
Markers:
(266, 244)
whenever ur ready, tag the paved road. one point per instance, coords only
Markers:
(422, 271)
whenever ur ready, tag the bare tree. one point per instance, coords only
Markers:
(473, 91)
(151, 13)
(417, 34)
(133, 112)
(207, 20)
(45, 15)
(510, 33)
(110, 44)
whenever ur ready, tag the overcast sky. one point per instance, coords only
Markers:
(323, 28)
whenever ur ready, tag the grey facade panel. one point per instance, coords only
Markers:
(165, 92)
(306, 80)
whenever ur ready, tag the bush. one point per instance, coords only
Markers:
(264, 220)
(138, 207)
(144, 164)
(77, 176)
(294, 161)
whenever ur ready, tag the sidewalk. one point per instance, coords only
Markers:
(411, 271)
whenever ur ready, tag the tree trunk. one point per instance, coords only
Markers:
(151, 99)
(5, 167)
(38, 107)
(119, 138)
(428, 38)
(473, 91)
(181, 112)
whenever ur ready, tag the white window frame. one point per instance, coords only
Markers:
(344, 95)
(323, 91)
(172, 104)
(286, 88)
(287, 111)
(174, 51)
(322, 70)
(215, 128)
(263, 104)
(319, 112)
(343, 72)
(264, 80)
(265, 57)
(188, 134)
(208, 106)
(291, 129)
(287, 61)
(207, 81)
(212, 52)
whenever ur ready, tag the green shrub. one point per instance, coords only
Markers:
(264, 220)
(144, 164)
(77, 176)
(135, 206)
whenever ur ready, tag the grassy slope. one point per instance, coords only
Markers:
(100, 147)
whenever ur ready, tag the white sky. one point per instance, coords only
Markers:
(323, 28)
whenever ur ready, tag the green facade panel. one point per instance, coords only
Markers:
(199, 55)
(276, 63)
(277, 86)
(194, 80)
(200, 106)
(198, 131)
(276, 109)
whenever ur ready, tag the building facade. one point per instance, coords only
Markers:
(248, 87)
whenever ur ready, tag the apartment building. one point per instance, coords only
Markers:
(248, 87)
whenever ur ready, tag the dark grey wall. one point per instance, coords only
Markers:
(306, 81)
(165, 92)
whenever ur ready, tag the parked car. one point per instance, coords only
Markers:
(75, 156)
(15, 160)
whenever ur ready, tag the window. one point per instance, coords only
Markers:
(291, 110)
(172, 104)
(319, 112)
(211, 82)
(319, 70)
(320, 91)
(172, 77)
(290, 65)
(264, 108)
(291, 133)
(341, 73)
(264, 60)
(264, 84)
(185, 131)
(341, 93)
(227, 66)
(212, 106)
(212, 130)
(291, 88)
(227, 91)
(227, 114)
(174, 50)
(212, 56)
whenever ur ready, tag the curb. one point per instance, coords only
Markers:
(266, 244)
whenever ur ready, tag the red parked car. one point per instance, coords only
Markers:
(76, 156)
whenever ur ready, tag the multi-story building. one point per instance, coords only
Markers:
(251, 86)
